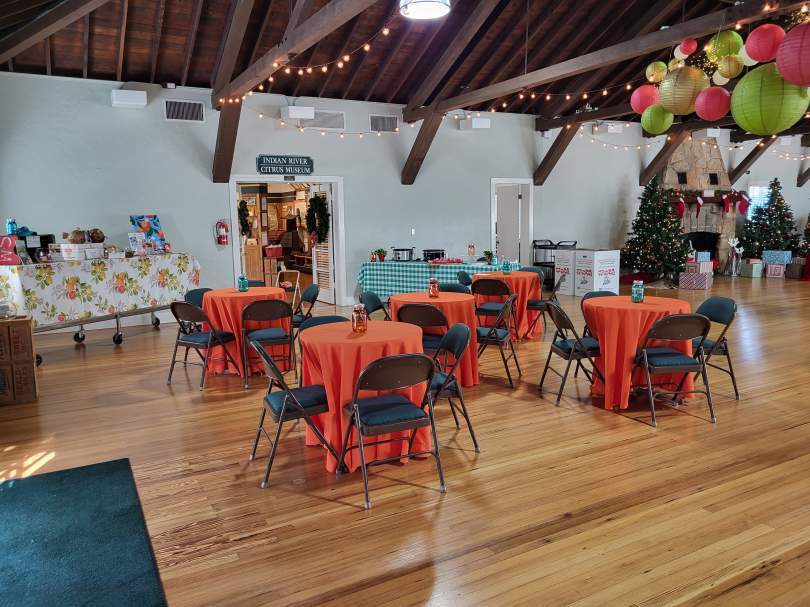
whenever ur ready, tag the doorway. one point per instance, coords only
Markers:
(512, 219)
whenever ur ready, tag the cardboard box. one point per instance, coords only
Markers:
(596, 270)
(71, 252)
(776, 257)
(18, 380)
(564, 264)
(695, 281)
(794, 270)
(774, 270)
(698, 267)
(751, 270)
(703, 256)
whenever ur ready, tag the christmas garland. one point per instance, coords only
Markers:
(680, 198)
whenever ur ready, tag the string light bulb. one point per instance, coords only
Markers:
(628, 86)
(281, 122)
(323, 69)
(300, 72)
(548, 97)
(309, 70)
(261, 87)
(347, 58)
(275, 64)
(604, 92)
(287, 70)
(533, 95)
(385, 31)
(270, 79)
(367, 47)
(568, 97)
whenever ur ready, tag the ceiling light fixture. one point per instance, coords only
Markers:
(424, 9)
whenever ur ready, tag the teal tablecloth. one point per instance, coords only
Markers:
(392, 277)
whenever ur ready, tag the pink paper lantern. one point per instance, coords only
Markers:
(712, 103)
(763, 42)
(793, 56)
(643, 97)
(688, 46)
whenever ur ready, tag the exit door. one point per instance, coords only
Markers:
(513, 222)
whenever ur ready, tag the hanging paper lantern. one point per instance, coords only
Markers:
(688, 46)
(656, 71)
(678, 53)
(762, 43)
(679, 89)
(793, 56)
(656, 120)
(724, 43)
(763, 103)
(643, 97)
(729, 66)
(745, 59)
(719, 80)
(675, 64)
(712, 103)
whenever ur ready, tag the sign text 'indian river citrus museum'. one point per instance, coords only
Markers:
(271, 164)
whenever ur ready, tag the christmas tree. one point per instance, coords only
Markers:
(657, 244)
(804, 249)
(771, 227)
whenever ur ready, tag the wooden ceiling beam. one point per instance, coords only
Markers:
(122, 40)
(48, 56)
(344, 48)
(297, 15)
(161, 12)
(389, 57)
(86, 45)
(191, 40)
(747, 162)
(604, 113)
(405, 74)
(49, 22)
(226, 142)
(234, 35)
(262, 28)
(804, 177)
(555, 152)
(427, 131)
(320, 25)
(740, 136)
(662, 157)
(21, 7)
(642, 45)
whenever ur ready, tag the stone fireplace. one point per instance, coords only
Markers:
(697, 167)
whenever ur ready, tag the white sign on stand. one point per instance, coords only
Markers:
(596, 270)
(564, 262)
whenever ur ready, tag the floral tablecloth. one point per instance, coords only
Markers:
(65, 291)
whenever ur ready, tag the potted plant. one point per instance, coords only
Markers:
(488, 256)
(380, 254)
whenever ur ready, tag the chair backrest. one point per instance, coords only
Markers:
(310, 294)
(395, 373)
(679, 327)
(560, 319)
(195, 296)
(464, 278)
(255, 283)
(504, 318)
(540, 271)
(314, 321)
(455, 341)
(721, 310)
(453, 287)
(372, 301)
(188, 313)
(491, 287)
(591, 295)
(266, 309)
(422, 315)
(272, 370)
(557, 285)
(292, 276)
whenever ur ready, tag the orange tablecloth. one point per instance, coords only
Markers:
(334, 356)
(457, 307)
(224, 309)
(526, 285)
(620, 326)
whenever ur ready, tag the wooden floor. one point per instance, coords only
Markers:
(568, 505)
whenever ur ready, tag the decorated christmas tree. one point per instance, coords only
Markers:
(657, 244)
(804, 248)
(771, 226)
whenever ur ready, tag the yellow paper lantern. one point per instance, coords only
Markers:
(679, 89)
(676, 64)
(656, 71)
(729, 66)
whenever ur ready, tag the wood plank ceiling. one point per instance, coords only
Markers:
(180, 41)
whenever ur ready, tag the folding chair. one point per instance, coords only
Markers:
(452, 287)
(310, 296)
(266, 311)
(570, 349)
(391, 413)
(373, 303)
(314, 321)
(539, 305)
(721, 310)
(426, 317)
(288, 404)
(655, 359)
(464, 279)
(195, 296)
(500, 334)
(188, 315)
(590, 295)
(290, 281)
(490, 287)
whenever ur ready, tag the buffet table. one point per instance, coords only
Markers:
(392, 277)
(76, 293)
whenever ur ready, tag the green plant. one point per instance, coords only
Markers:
(244, 218)
(318, 217)
(380, 252)
(489, 255)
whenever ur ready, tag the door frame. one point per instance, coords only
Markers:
(338, 230)
(494, 182)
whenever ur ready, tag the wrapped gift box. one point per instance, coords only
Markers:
(794, 270)
(703, 256)
(751, 270)
(696, 281)
(799, 260)
(698, 267)
(774, 270)
(776, 257)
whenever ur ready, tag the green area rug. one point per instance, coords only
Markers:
(76, 537)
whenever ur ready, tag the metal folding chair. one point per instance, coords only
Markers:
(464, 279)
(426, 317)
(266, 311)
(539, 305)
(309, 296)
(453, 287)
(490, 287)
(290, 281)
(721, 310)
(500, 334)
(373, 303)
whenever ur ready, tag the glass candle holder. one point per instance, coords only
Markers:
(637, 291)
(359, 319)
(242, 283)
(433, 287)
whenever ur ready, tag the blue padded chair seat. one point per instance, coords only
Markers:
(669, 357)
(490, 308)
(202, 337)
(268, 334)
(308, 396)
(388, 409)
(566, 345)
(536, 304)
(430, 341)
(297, 319)
(708, 345)
(483, 333)
(439, 377)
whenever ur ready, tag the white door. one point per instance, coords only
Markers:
(507, 227)
(323, 262)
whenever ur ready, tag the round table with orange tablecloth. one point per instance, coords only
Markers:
(224, 309)
(620, 326)
(457, 308)
(334, 356)
(526, 285)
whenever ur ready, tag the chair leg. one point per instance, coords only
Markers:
(708, 390)
(506, 366)
(733, 376)
(273, 450)
(205, 367)
(452, 410)
(174, 356)
(341, 466)
(650, 390)
(185, 357)
(545, 370)
(515, 357)
(469, 423)
(436, 450)
(563, 380)
(258, 434)
(367, 504)
(244, 360)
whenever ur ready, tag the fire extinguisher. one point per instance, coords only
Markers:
(221, 232)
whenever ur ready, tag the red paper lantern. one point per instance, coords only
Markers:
(688, 46)
(712, 103)
(793, 56)
(643, 97)
(764, 41)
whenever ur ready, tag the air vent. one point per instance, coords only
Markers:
(384, 124)
(326, 121)
(184, 111)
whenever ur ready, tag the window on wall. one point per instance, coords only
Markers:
(758, 195)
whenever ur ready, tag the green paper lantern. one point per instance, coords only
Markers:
(763, 103)
(656, 71)
(723, 44)
(680, 88)
(656, 120)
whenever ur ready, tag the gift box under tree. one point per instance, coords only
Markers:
(698, 267)
(776, 257)
(695, 281)
(774, 270)
(794, 270)
(751, 269)
(703, 256)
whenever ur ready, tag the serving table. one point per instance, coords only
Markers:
(457, 308)
(620, 326)
(526, 286)
(391, 277)
(334, 356)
